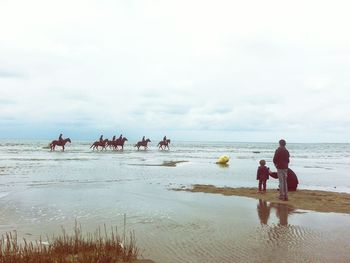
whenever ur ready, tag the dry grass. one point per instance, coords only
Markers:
(64, 248)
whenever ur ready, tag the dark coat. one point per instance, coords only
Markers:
(281, 158)
(262, 173)
(292, 179)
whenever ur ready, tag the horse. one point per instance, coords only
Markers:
(164, 143)
(98, 143)
(119, 142)
(142, 143)
(62, 143)
(110, 144)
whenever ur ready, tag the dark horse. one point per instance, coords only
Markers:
(119, 142)
(62, 143)
(142, 143)
(98, 143)
(164, 143)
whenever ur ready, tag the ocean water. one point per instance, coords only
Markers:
(42, 190)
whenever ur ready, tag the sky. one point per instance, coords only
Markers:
(192, 70)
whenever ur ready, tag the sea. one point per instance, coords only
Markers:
(42, 191)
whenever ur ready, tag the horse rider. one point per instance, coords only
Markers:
(113, 139)
(164, 139)
(101, 138)
(120, 137)
(143, 139)
(60, 139)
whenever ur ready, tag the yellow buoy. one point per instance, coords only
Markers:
(223, 159)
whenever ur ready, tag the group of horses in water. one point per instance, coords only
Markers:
(112, 144)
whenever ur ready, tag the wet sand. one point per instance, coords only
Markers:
(165, 164)
(319, 201)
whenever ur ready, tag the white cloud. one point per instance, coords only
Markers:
(224, 66)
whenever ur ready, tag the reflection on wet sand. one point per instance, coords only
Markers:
(223, 165)
(165, 163)
(263, 211)
(282, 234)
(282, 212)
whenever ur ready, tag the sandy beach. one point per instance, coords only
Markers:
(319, 201)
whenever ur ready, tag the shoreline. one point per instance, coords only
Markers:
(314, 200)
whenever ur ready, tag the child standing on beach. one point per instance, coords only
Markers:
(262, 175)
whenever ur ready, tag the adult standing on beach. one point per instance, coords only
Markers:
(281, 161)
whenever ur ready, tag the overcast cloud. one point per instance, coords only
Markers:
(216, 70)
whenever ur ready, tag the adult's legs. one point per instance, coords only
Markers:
(282, 177)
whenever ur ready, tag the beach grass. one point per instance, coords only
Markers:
(315, 200)
(98, 247)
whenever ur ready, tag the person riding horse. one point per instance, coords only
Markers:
(59, 142)
(142, 143)
(113, 139)
(120, 137)
(101, 138)
(164, 143)
(60, 139)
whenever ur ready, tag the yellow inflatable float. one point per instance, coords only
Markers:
(223, 159)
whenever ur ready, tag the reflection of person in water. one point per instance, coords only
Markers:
(282, 212)
(263, 211)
